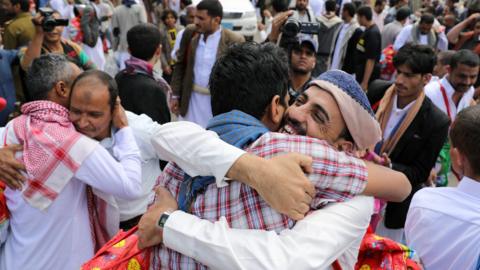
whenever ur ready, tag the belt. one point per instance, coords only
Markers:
(202, 90)
(128, 224)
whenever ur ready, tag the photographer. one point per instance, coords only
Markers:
(303, 12)
(48, 31)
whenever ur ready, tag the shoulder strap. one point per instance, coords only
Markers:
(445, 100)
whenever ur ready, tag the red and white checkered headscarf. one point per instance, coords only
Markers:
(52, 150)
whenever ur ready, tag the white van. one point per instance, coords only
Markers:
(239, 16)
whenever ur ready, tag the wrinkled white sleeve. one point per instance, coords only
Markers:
(196, 150)
(442, 43)
(313, 243)
(122, 178)
(176, 46)
(402, 38)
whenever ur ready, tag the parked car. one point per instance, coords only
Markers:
(239, 16)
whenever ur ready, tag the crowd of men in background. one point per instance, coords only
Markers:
(105, 93)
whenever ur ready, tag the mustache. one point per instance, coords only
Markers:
(295, 125)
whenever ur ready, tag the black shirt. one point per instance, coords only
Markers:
(141, 93)
(369, 46)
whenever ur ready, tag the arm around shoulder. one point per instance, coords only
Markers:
(387, 184)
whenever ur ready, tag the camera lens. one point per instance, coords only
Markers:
(291, 27)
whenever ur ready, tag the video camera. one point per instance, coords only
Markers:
(292, 28)
(49, 22)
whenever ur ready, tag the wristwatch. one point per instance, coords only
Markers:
(163, 219)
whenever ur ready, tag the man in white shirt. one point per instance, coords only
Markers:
(50, 222)
(455, 90)
(200, 46)
(379, 13)
(452, 213)
(346, 40)
(451, 94)
(422, 33)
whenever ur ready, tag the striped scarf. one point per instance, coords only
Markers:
(383, 115)
(236, 128)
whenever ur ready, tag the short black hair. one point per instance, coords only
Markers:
(465, 136)
(247, 77)
(427, 18)
(213, 7)
(280, 5)
(365, 11)
(464, 57)
(104, 78)
(379, 2)
(402, 14)
(445, 57)
(143, 40)
(24, 4)
(350, 8)
(167, 12)
(330, 5)
(419, 58)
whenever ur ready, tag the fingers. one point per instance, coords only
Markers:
(10, 173)
(308, 196)
(305, 162)
(14, 147)
(11, 182)
(298, 214)
(295, 215)
(162, 192)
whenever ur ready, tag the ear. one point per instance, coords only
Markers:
(62, 89)
(345, 146)
(426, 78)
(275, 111)
(449, 69)
(218, 20)
(458, 162)
(158, 51)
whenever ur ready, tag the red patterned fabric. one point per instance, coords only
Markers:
(4, 214)
(380, 253)
(120, 253)
(388, 70)
(336, 176)
(52, 150)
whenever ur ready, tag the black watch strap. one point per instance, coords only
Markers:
(163, 219)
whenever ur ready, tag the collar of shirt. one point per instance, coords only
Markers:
(469, 186)
(395, 108)
(216, 35)
(450, 91)
(109, 142)
(22, 15)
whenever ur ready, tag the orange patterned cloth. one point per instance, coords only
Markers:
(121, 253)
(380, 253)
